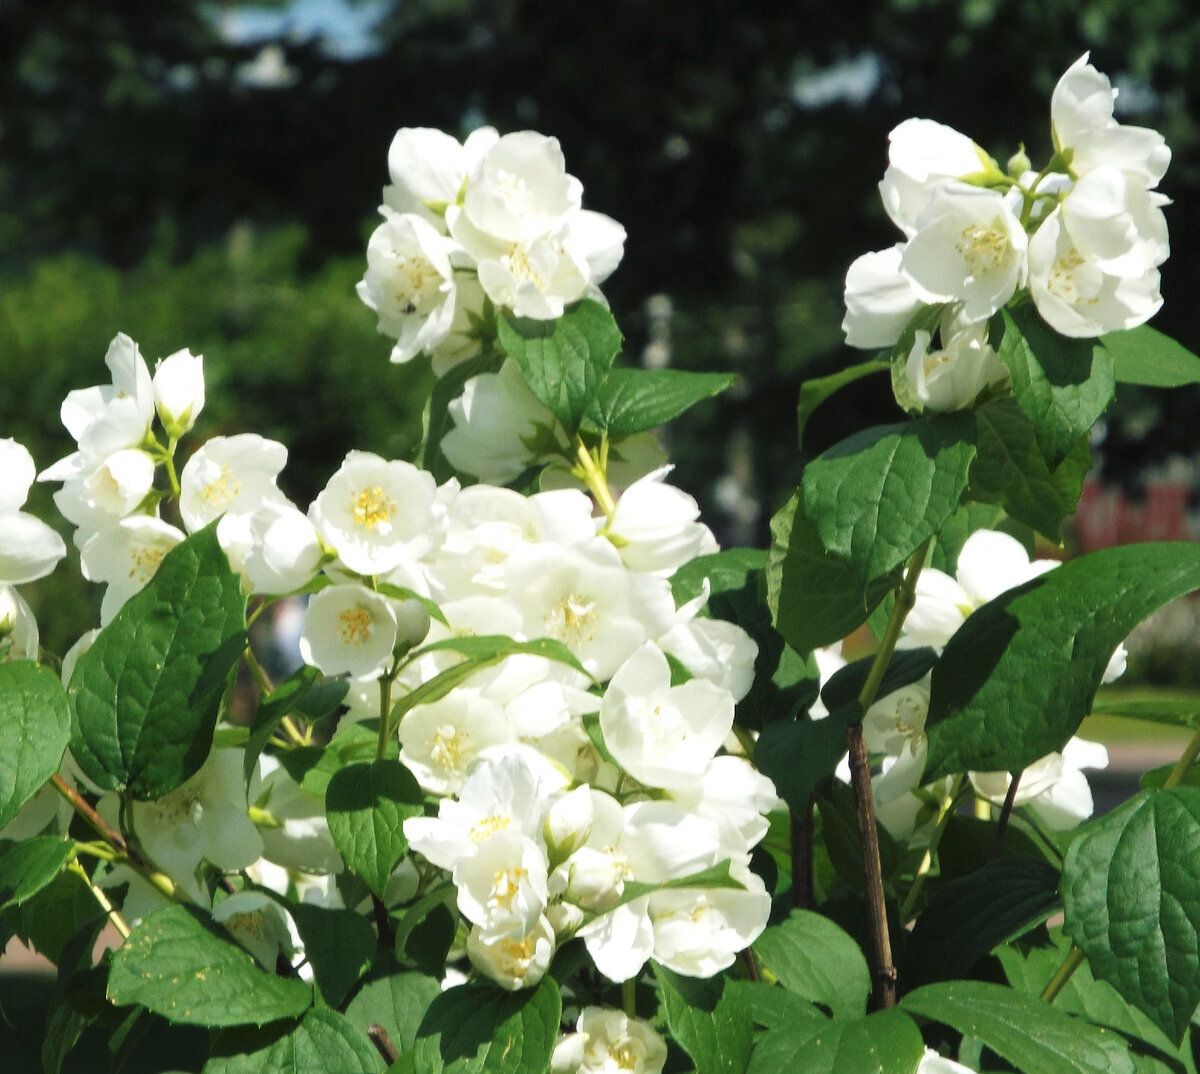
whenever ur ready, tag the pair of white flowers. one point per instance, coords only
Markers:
(1084, 237)
(494, 217)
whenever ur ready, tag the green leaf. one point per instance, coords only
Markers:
(494, 647)
(564, 361)
(1017, 679)
(904, 668)
(731, 569)
(1025, 1030)
(27, 867)
(816, 959)
(473, 1029)
(1131, 896)
(886, 1042)
(273, 708)
(797, 754)
(1172, 711)
(397, 1002)
(968, 916)
(338, 944)
(710, 1021)
(322, 1041)
(48, 919)
(1011, 471)
(1062, 384)
(631, 400)
(876, 497)
(772, 1006)
(1144, 355)
(814, 392)
(839, 827)
(146, 694)
(815, 597)
(367, 805)
(177, 966)
(35, 724)
(1030, 971)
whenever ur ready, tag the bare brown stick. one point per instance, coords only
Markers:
(802, 857)
(883, 971)
(383, 1043)
(101, 827)
(383, 925)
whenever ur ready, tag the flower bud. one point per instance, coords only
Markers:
(568, 823)
(1019, 163)
(179, 391)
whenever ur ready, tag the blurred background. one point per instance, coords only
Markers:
(205, 175)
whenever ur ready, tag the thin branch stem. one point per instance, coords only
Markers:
(114, 915)
(945, 812)
(1185, 762)
(263, 681)
(629, 997)
(883, 968)
(802, 856)
(383, 1043)
(1010, 800)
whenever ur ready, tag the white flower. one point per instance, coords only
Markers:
(29, 549)
(348, 629)
(285, 551)
(880, 299)
(377, 514)
(229, 475)
(179, 391)
(126, 556)
(513, 962)
(736, 797)
(18, 627)
(1084, 130)
(440, 741)
(608, 1041)
(1054, 787)
(932, 1063)
(663, 735)
(502, 884)
(1075, 296)
(259, 924)
(654, 526)
(298, 835)
(952, 377)
(698, 932)
(204, 819)
(409, 283)
(108, 492)
(428, 168)
(923, 156)
(969, 247)
(716, 650)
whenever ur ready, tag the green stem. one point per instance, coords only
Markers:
(595, 478)
(1185, 762)
(385, 711)
(114, 915)
(906, 597)
(945, 812)
(629, 997)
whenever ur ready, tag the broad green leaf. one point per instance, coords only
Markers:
(47, 920)
(1011, 472)
(28, 866)
(814, 392)
(816, 959)
(631, 400)
(886, 1042)
(65, 1022)
(1062, 384)
(400, 592)
(1131, 896)
(478, 1029)
(1143, 355)
(397, 1001)
(179, 967)
(797, 754)
(338, 945)
(1172, 711)
(322, 1041)
(566, 360)
(730, 569)
(815, 597)
(709, 1020)
(839, 828)
(876, 497)
(1028, 1032)
(367, 805)
(1017, 679)
(959, 526)
(146, 693)
(969, 915)
(1031, 970)
(772, 1006)
(35, 724)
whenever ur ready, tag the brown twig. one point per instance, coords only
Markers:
(383, 1043)
(1005, 812)
(802, 857)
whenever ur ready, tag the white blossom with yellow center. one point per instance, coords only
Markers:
(376, 514)
(126, 556)
(349, 629)
(440, 741)
(609, 1042)
(513, 962)
(229, 475)
(502, 885)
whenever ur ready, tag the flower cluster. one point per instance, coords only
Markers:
(1083, 238)
(493, 221)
